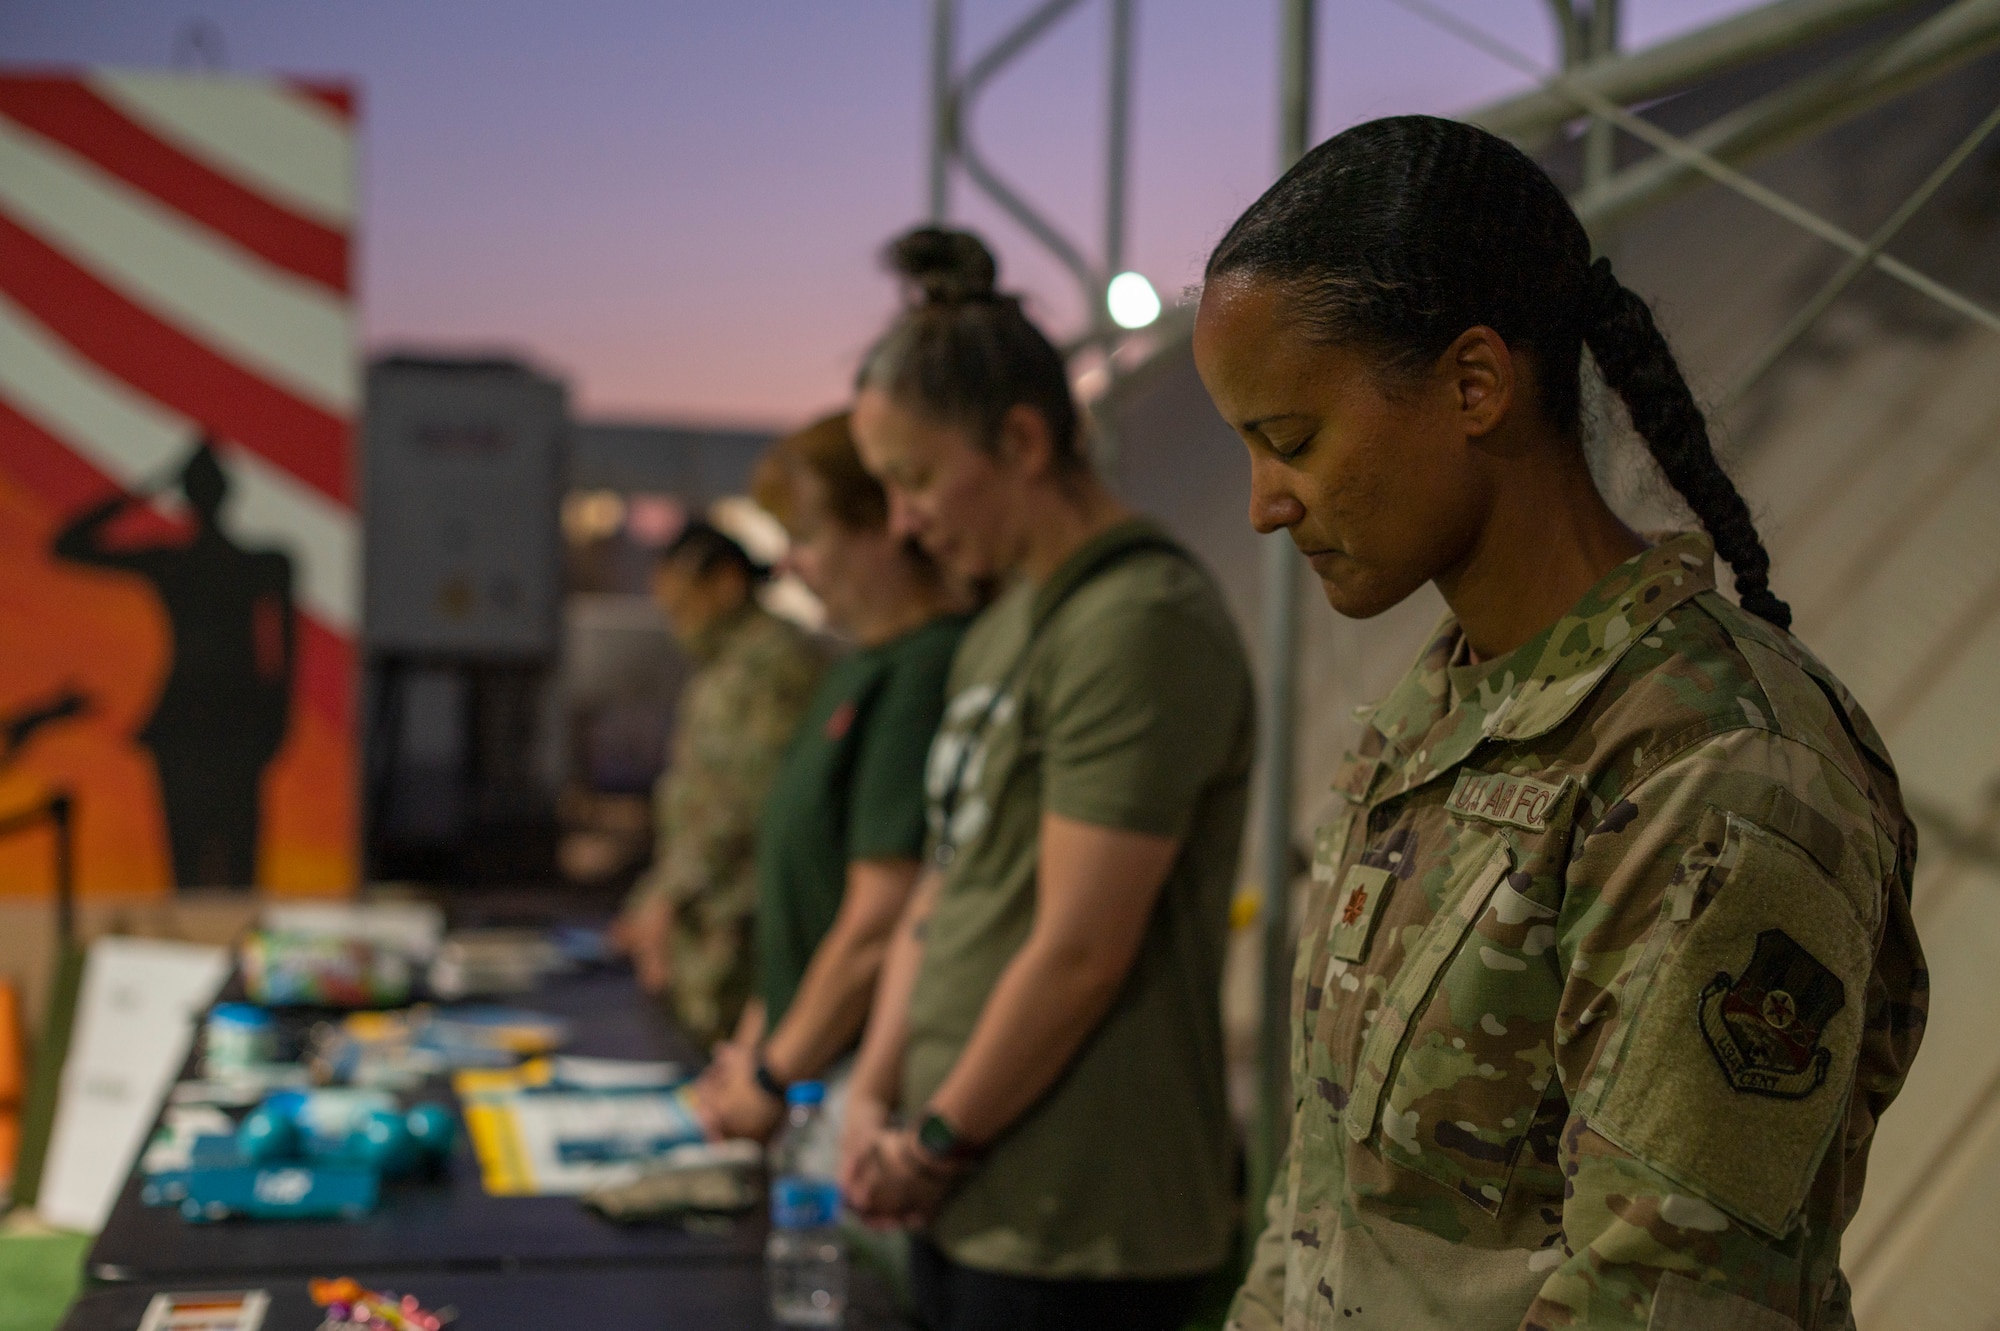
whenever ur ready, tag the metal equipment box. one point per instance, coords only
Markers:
(463, 464)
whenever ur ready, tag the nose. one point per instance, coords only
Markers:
(1273, 505)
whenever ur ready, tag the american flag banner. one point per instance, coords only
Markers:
(179, 549)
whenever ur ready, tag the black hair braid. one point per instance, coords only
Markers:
(1399, 234)
(1637, 364)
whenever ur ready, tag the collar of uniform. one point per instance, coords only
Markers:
(1587, 642)
(1427, 736)
(714, 640)
(1422, 732)
(1417, 703)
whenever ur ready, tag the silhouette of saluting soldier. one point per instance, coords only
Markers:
(224, 708)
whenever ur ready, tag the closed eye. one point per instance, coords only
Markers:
(1285, 435)
(1289, 448)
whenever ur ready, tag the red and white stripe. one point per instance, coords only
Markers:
(175, 258)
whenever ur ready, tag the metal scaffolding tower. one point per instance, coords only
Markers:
(954, 94)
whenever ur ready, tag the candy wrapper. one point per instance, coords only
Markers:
(351, 1307)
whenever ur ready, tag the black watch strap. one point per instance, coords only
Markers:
(941, 1141)
(767, 1081)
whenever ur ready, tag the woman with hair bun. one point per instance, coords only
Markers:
(1048, 1023)
(1609, 970)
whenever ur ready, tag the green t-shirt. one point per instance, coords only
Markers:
(1133, 710)
(851, 788)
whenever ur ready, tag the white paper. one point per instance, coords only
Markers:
(135, 1019)
(237, 1310)
(608, 1074)
(542, 1121)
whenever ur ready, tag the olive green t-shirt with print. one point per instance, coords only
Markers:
(851, 788)
(1131, 709)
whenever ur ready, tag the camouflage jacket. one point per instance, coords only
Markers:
(1608, 975)
(736, 716)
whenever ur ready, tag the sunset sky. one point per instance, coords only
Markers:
(677, 204)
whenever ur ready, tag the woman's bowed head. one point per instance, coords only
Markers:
(964, 411)
(1395, 331)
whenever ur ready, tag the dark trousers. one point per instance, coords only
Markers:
(952, 1297)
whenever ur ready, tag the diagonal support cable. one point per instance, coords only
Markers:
(1723, 174)
(1857, 264)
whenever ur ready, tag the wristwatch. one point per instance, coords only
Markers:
(767, 1080)
(941, 1141)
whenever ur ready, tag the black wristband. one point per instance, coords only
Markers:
(767, 1082)
(939, 1140)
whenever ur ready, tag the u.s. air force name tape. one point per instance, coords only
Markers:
(1517, 801)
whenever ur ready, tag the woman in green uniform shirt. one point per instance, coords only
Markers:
(1048, 1022)
(1610, 971)
(843, 830)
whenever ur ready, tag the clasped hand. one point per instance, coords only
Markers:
(729, 1102)
(886, 1178)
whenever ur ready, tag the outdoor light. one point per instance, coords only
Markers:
(1132, 301)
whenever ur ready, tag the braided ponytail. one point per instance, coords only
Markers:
(1638, 365)
(1397, 235)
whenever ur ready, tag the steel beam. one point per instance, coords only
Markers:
(1600, 143)
(1278, 724)
(1117, 140)
(1533, 116)
(943, 113)
(1696, 160)
(1802, 109)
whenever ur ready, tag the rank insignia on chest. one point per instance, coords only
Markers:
(1764, 1026)
(1358, 902)
(841, 721)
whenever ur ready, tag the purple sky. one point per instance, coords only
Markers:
(677, 205)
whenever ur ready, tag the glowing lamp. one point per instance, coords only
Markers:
(1132, 301)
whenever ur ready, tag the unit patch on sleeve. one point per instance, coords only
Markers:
(1517, 801)
(1764, 1026)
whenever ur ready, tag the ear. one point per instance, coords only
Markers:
(1025, 443)
(1483, 378)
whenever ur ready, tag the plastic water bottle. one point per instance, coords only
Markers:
(805, 1261)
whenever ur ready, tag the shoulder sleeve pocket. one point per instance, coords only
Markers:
(1736, 1063)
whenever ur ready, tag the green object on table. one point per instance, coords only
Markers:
(41, 1274)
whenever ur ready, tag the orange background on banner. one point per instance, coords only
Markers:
(104, 634)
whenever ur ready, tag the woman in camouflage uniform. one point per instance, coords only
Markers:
(1609, 970)
(689, 919)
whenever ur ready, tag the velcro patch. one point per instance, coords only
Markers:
(1517, 801)
(1749, 1019)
